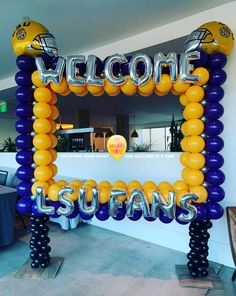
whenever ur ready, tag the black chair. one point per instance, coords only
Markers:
(3, 177)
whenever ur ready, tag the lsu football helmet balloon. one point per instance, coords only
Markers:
(211, 37)
(33, 38)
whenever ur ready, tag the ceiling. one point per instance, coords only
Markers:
(80, 25)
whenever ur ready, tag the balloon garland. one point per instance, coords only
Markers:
(193, 199)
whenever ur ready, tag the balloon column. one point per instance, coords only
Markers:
(195, 75)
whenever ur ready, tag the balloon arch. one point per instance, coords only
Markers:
(196, 76)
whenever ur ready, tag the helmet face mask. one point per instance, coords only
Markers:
(45, 42)
(211, 37)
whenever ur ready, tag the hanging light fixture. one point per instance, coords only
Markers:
(134, 133)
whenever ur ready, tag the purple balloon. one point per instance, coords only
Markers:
(164, 219)
(214, 211)
(84, 216)
(34, 210)
(214, 161)
(215, 193)
(24, 188)
(214, 93)
(25, 63)
(75, 213)
(125, 67)
(136, 216)
(24, 110)
(24, 94)
(24, 126)
(120, 214)
(99, 66)
(178, 212)
(24, 157)
(213, 127)
(116, 66)
(102, 213)
(150, 219)
(23, 141)
(47, 59)
(25, 173)
(201, 211)
(23, 78)
(202, 62)
(217, 60)
(56, 205)
(24, 205)
(214, 144)
(217, 77)
(215, 177)
(214, 110)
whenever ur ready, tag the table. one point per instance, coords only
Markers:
(7, 215)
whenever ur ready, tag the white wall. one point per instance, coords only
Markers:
(173, 236)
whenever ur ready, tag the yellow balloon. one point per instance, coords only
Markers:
(144, 94)
(149, 184)
(183, 142)
(54, 113)
(51, 182)
(120, 198)
(36, 80)
(91, 183)
(147, 88)
(103, 195)
(53, 140)
(195, 94)
(42, 157)
(42, 94)
(164, 185)
(180, 87)
(201, 192)
(180, 185)
(105, 184)
(53, 99)
(66, 92)
(165, 194)
(77, 88)
(82, 93)
(42, 126)
(183, 129)
(128, 88)
(75, 195)
(184, 158)
(77, 183)
(160, 94)
(148, 193)
(116, 146)
(195, 161)
(61, 183)
(43, 173)
(195, 144)
(193, 111)
(193, 177)
(54, 169)
(203, 75)
(95, 90)
(53, 126)
(111, 89)
(53, 154)
(175, 93)
(61, 87)
(53, 192)
(179, 195)
(183, 100)
(41, 141)
(194, 127)
(120, 183)
(40, 184)
(134, 183)
(165, 84)
(89, 194)
(42, 110)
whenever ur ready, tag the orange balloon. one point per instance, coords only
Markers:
(180, 185)
(134, 183)
(42, 94)
(53, 99)
(82, 94)
(165, 185)
(175, 93)
(194, 127)
(51, 182)
(95, 90)
(184, 158)
(42, 126)
(193, 177)
(149, 184)
(75, 195)
(35, 77)
(53, 140)
(105, 184)
(89, 194)
(147, 88)
(103, 195)
(61, 183)
(120, 183)
(165, 194)
(77, 183)
(54, 112)
(53, 192)
(144, 94)
(179, 195)
(54, 169)
(183, 129)
(195, 94)
(66, 92)
(53, 154)
(165, 84)
(61, 87)
(40, 184)
(43, 173)
(180, 87)
(201, 192)
(111, 89)
(183, 142)
(203, 75)
(53, 126)
(196, 161)
(77, 88)
(160, 94)
(183, 100)
(42, 157)
(195, 144)
(128, 88)
(148, 193)
(42, 110)
(193, 111)
(91, 183)
(41, 141)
